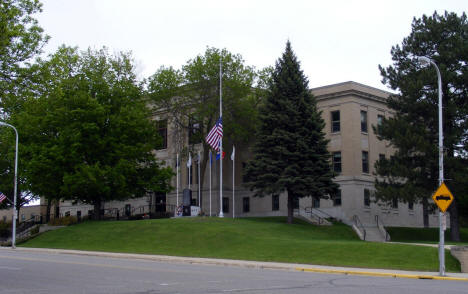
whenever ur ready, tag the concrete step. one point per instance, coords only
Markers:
(373, 234)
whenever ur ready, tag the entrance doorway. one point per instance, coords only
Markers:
(160, 202)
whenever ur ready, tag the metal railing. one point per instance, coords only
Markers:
(309, 210)
(358, 225)
(321, 212)
(145, 211)
(381, 227)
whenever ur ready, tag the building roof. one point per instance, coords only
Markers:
(350, 88)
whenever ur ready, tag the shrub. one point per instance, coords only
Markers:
(5, 229)
(35, 230)
(63, 221)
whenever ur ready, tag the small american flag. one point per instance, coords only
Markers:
(215, 135)
(2, 197)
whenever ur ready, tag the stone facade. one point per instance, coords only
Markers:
(350, 110)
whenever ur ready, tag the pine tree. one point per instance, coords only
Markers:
(290, 153)
(411, 174)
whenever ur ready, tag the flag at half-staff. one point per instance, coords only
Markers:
(214, 136)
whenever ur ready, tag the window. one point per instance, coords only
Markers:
(275, 202)
(336, 162)
(411, 205)
(337, 198)
(195, 135)
(379, 120)
(395, 203)
(23, 217)
(315, 202)
(335, 121)
(245, 204)
(162, 131)
(67, 213)
(363, 121)
(295, 203)
(366, 197)
(381, 157)
(4, 218)
(225, 205)
(365, 162)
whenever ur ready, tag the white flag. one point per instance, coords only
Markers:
(233, 152)
(189, 162)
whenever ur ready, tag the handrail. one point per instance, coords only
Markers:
(381, 227)
(309, 210)
(358, 224)
(323, 212)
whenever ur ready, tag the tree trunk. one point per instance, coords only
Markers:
(454, 225)
(57, 209)
(49, 205)
(425, 207)
(97, 210)
(290, 207)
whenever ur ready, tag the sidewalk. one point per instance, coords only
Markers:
(261, 265)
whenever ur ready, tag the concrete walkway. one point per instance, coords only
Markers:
(261, 265)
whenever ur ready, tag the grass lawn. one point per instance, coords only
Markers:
(424, 235)
(261, 239)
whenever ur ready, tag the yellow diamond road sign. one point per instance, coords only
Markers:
(442, 197)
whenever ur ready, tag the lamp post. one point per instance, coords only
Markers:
(13, 237)
(426, 61)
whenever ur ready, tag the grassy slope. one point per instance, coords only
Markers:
(263, 239)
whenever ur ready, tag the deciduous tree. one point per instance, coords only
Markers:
(88, 136)
(190, 99)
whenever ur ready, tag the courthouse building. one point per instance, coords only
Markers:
(349, 110)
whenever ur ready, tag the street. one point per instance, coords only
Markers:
(36, 272)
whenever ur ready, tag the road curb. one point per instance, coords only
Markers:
(380, 274)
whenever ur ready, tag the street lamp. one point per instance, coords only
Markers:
(426, 61)
(13, 237)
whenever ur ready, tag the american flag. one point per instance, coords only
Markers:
(215, 135)
(2, 197)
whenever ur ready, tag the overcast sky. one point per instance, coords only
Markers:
(336, 41)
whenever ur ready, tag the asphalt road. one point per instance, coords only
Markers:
(37, 272)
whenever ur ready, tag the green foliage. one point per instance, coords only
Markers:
(189, 99)
(35, 230)
(63, 221)
(21, 39)
(88, 136)
(290, 152)
(5, 229)
(262, 239)
(411, 174)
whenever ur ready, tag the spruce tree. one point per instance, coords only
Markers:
(290, 153)
(411, 174)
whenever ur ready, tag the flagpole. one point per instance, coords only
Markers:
(233, 156)
(189, 165)
(210, 179)
(221, 140)
(199, 184)
(177, 189)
